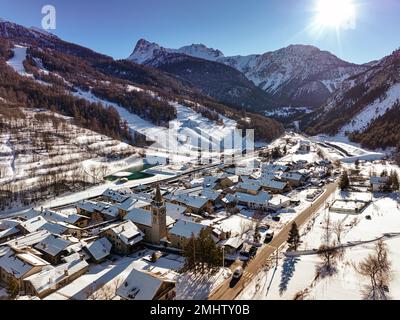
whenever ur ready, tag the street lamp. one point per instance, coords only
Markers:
(223, 257)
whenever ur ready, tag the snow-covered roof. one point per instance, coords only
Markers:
(128, 232)
(278, 200)
(9, 233)
(111, 212)
(20, 264)
(249, 185)
(261, 198)
(55, 228)
(33, 224)
(210, 194)
(135, 201)
(379, 180)
(185, 229)
(86, 205)
(30, 214)
(274, 168)
(99, 248)
(175, 211)
(234, 242)
(273, 184)
(140, 285)
(190, 201)
(62, 217)
(143, 217)
(8, 223)
(53, 245)
(294, 176)
(28, 240)
(50, 277)
(234, 224)
(115, 195)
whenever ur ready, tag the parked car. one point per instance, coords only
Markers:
(238, 273)
(269, 236)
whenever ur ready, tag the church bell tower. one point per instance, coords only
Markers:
(158, 218)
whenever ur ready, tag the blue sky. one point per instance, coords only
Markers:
(233, 26)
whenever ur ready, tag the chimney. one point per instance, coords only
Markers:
(66, 273)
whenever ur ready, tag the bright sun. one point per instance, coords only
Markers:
(336, 14)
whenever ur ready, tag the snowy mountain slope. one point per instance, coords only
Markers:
(197, 66)
(297, 75)
(42, 152)
(360, 106)
(187, 130)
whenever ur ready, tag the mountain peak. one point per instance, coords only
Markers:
(201, 51)
(144, 50)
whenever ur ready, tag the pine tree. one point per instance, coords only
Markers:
(202, 254)
(257, 235)
(344, 182)
(294, 237)
(395, 180)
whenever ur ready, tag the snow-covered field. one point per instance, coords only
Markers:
(184, 135)
(297, 272)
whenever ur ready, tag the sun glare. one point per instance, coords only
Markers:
(339, 14)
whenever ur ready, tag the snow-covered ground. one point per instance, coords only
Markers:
(355, 151)
(374, 110)
(297, 272)
(34, 152)
(181, 140)
(17, 61)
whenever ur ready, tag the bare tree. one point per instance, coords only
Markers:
(105, 292)
(338, 229)
(328, 253)
(377, 268)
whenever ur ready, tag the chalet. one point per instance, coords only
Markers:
(16, 266)
(294, 179)
(50, 279)
(73, 218)
(232, 245)
(274, 168)
(378, 184)
(274, 186)
(259, 201)
(7, 234)
(124, 236)
(116, 196)
(137, 201)
(142, 285)
(249, 186)
(195, 204)
(183, 231)
(29, 240)
(99, 249)
(53, 248)
(304, 146)
(279, 202)
(32, 225)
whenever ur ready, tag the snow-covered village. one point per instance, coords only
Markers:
(184, 173)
